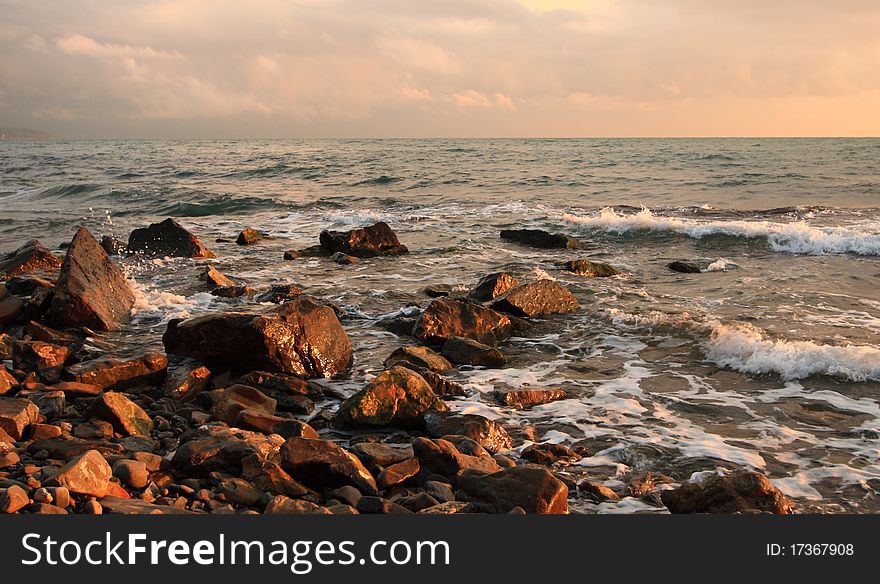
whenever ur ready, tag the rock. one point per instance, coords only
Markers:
(300, 337)
(537, 299)
(185, 382)
(396, 397)
(41, 332)
(397, 473)
(492, 286)
(237, 398)
(741, 490)
(280, 293)
(343, 259)
(441, 386)
(597, 492)
(126, 416)
(87, 474)
(548, 454)
(485, 432)
(248, 236)
(167, 238)
(131, 473)
(7, 381)
(684, 267)
(13, 499)
(240, 492)
(113, 374)
(313, 251)
(443, 458)
(46, 359)
(8, 459)
(92, 507)
(16, 415)
(442, 492)
(74, 389)
(119, 506)
(269, 424)
(41, 431)
(415, 357)
(590, 269)
(270, 477)
(93, 429)
(445, 318)
(533, 488)
(378, 505)
(280, 382)
(323, 464)
(30, 257)
(283, 505)
(521, 398)
(447, 508)
(26, 285)
(347, 494)
(370, 241)
(92, 291)
(60, 496)
(51, 404)
(11, 307)
(215, 279)
(376, 455)
(463, 351)
(113, 246)
(221, 451)
(542, 239)
(67, 447)
(292, 254)
(438, 290)
(417, 502)
(233, 291)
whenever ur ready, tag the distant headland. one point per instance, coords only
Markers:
(9, 134)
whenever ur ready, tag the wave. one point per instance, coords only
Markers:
(379, 180)
(217, 206)
(796, 237)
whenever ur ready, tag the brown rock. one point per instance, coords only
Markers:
(233, 291)
(185, 382)
(40, 332)
(443, 458)
(376, 455)
(113, 246)
(45, 359)
(492, 286)
(292, 254)
(13, 499)
(11, 307)
(343, 259)
(684, 267)
(396, 397)
(280, 382)
(369, 241)
(29, 257)
(215, 279)
(131, 473)
(216, 451)
(597, 492)
(43, 431)
(7, 381)
(16, 415)
(67, 447)
(548, 454)
(167, 238)
(27, 285)
(110, 373)
(323, 464)
(92, 291)
(737, 491)
(485, 432)
(87, 474)
(269, 424)
(590, 269)
(8, 459)
(126, 416)
(532, 488)
(120, 506)
(248, 236)
(239, 491)
(521, 398)
(73, 389)
(270, 477)
(284, 505)
(445, 318)
(463, 351)
(537, 299)
(237, 398)
(441, 386)
(300, 337)
(416, 357)
(398, 473)
(280, 293)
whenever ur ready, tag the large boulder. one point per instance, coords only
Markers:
(370, 241)
(167, 238)
(542, 239)
(734, 492)
(323, 464)
(111, 373)
(126, 416)
(396, 397)
(492, 286)
(16, 415)
(532, 488)
(537, 299)
(92, 290)
(30, 257)
(445, 318)
(300, 337)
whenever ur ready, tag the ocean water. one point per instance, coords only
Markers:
(769, 359)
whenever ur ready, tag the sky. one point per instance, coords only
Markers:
(440, 68)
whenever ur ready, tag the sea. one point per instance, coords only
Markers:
(767, 359)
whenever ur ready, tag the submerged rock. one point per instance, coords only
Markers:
(590, 269)
(233, 291)
(168, 238)
(537, 299)
(370, 241)
(92, 290)
(684, 267)
(542, 239)
(492, 286)
(248, 236)
(446, 318)
(734, 492)
(463, 351)
(532, 488)
(300, 337)
(396, 397)
(30, 257)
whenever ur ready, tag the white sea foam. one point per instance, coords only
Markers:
(796, 237)
(720, 265)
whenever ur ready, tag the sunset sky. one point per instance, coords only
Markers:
(383, 68)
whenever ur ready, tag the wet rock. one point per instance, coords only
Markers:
(734, 492)
(248, 236)
(419, 358)
(343, 259)
(684, 267)
(280, 293)
(590, 269)
(113, 246)
(377, 505)
(283, 505)
(402, 326)
(30, 257)
(438, 290)
(396, 397)
(233, 291)
(216, 279)
(300, 337)
(26, 285)
(532, 488)
(92, 290)
(376, 455)
(548, 454)
(537, 299)
(13, 499)
(16, 415)
(292, 254)
(597, 492)
(492, 286)
(221, 451)
(7, 381)
(521, 398)
(46, 359)
(87, 474)
(41, 332)
(397, 473)
(444, 388)
(313, 251)
(186, 381)
(542, 239)
(167, 238)
(463, 351)
(11, 307)
(132, 473)
(127, 417)
(111, 374)
(485, 432)
(269, 424)
(445, 318)
(374, 240)
(280, 382)
(237, 398)
(441, 457)
(323, 464)
(270, 477)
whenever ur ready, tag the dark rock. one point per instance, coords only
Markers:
(280, 382)
(441, 457)
(445, 318)
(313, 251)
(442, 492)
(323, 464)
(13, 499)
(269, 424)
(167, 238)
(46, 359)
(370, 241)
(280, 293)
(30, 257)
(487, 433)
(597, 492)
(87, 474)
(16, 415)
(537, 299)
(233, 291)
(281, 505)
(113, 246)
(300, 337)
(734, 492)
(377, 505)
(26, 285)
(542, 239)
(492, 286)
(417, 502)
(270, 477)
(216, 279)
(238, 491)
(185, 382)
(51, 404)
(292, 254)
(11, 306)
(590, 269)
(444, 388)
(396, 397)
(41, 332)
(221, 451)
(463, 351)
(127, 417)
(66, 447)
(343, 259)
(237, 398)
(548, 454)
(119, 506)
(438, 290)
(521, 398)
(533, 488)
(248, 236)
(92, 291)
(418, 357)
(114, 374)
(131, 473)
(684, 267)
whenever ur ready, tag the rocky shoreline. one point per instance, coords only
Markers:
(227, 419)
